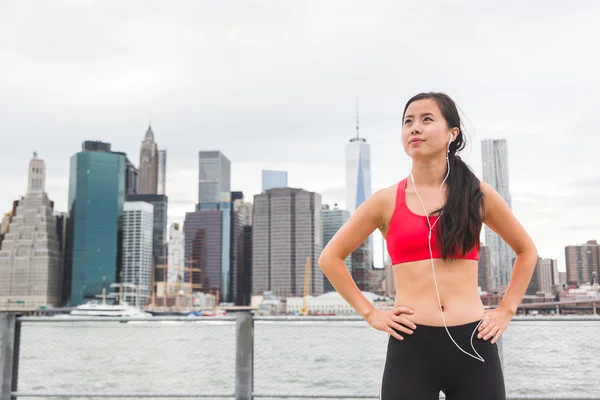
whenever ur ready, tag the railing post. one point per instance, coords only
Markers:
(7, 339)
(244, 360)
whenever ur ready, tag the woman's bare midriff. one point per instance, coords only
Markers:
(457, 285)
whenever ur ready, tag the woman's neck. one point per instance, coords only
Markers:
(429, 173)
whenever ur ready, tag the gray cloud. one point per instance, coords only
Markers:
(595, 227)
(586, 184)
(336, 192)
(274, 84)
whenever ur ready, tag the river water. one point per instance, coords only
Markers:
(542, 358)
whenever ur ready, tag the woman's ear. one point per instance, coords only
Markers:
(455, 133)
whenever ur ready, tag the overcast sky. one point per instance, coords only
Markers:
(273, 85)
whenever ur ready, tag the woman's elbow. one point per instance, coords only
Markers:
(326, 259)
(533, 249)
(535, 253)
(323, 260)
(530, 251)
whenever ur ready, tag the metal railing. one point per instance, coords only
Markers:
(10, 350)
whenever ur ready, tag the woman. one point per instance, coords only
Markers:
(432, 345)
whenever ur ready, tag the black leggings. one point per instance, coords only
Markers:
(427, 362)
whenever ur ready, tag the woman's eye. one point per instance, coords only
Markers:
(428, 118)
(407, 121)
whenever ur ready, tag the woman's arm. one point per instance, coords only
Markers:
(366, 218)
(501, 220)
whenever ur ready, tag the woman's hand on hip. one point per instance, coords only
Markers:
(389, 320)
(495, 322)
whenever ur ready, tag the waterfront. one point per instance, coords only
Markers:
(542, 358)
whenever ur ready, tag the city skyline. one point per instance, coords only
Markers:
(281, 95)
(545, 277)
(333, 199)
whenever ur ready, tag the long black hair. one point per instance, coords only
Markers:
(460, 223)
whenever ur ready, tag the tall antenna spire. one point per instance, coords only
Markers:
(357, 118)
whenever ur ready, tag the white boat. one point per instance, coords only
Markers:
(96, 309)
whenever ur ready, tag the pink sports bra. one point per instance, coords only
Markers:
(408, 233)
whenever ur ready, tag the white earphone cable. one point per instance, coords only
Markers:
(431, 253)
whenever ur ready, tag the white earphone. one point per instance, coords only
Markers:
(431, 254)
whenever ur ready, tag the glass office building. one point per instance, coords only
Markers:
(274, 179)
(207, 234)
(96, 196)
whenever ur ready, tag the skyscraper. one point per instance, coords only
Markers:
(549, 274)
(543, 277)
(244, 252)
(162, 172)
(30, 257)
(207, 233)
(214, 177)
(333, 219)
(210, 231)
(582, 261)
(245, 276)
(131, 177)
(358, 172)
(286, 231)
(131, 172)
(160, 204)
(274, 179)
(358, 189)
(361, 261)
(484, 262)
(245, 210)
(136, 263)
(96, 197)
(148, 174)
(61, 219)
(495, 173)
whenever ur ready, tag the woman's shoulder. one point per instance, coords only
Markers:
(387, 195)
(491, 198)
(486, 188)
(389, 191)
(383, 203)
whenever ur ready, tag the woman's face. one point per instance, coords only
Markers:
(425, 132)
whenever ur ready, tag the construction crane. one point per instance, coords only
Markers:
(304, 309)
